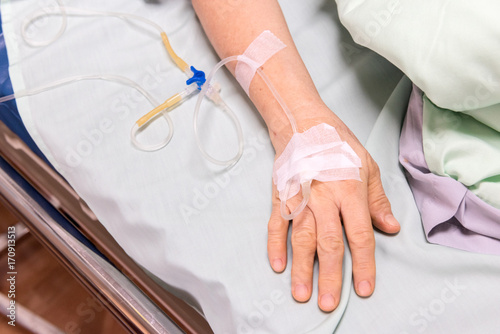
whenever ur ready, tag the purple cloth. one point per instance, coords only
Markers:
(451, 214)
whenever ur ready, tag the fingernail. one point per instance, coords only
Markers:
(390, 220)
(301, 292)
(364, 288)
(327, 302)
(278, 265)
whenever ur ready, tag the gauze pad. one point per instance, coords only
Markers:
(257, 53)
(316, 154)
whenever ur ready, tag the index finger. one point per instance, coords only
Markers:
(277, 232)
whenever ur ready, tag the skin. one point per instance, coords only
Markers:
(231, 25)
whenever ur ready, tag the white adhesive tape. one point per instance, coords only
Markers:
(316, 154)
(257, 53)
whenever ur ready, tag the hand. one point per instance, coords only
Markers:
(318, 228)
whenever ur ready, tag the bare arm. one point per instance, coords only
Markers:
(231, 26)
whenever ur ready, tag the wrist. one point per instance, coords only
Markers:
(306, 115)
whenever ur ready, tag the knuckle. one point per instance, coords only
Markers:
(274, 241)
(275, 200)
(330, 281)
(362, 239)
(276, 224)
(274, 227)
(330, 244)
(380, 203)
(364, 266)
(305, 238)
(374, 169)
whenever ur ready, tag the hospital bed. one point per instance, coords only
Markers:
(62, 222)
(187, 249)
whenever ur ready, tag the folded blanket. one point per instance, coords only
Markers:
(452, 215)
(462, 147)
(450, 50)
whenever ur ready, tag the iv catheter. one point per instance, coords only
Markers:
(306, 186)
(195, 83)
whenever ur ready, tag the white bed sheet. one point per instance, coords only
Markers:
(190, 223)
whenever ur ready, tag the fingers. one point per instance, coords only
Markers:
(277, 231)
(359, 231)
(276, 240)
(330, 248)
(378, 204)
(304, 250)
(318, 229)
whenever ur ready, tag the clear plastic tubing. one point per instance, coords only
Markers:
(108, 77)
(166, 106)
(64, 11)
(206, 90)
(306, 193)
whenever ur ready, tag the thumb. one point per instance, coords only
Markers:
(379, 205)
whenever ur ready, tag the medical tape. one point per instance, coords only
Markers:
(316, 154)
(257, 53)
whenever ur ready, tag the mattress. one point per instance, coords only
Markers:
(202, 230)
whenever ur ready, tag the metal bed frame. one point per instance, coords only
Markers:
(36, 194)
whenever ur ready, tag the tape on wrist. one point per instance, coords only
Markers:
(257, 53)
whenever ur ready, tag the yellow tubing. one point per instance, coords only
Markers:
(174, 99)
(167, 104)
(177, 60)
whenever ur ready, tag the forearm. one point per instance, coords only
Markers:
(231, 28)
(333, 206)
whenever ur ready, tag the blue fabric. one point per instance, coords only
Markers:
(52, 212)
(10, 116)
(8, 110)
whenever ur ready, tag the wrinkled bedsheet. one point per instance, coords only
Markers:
(202, 230)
